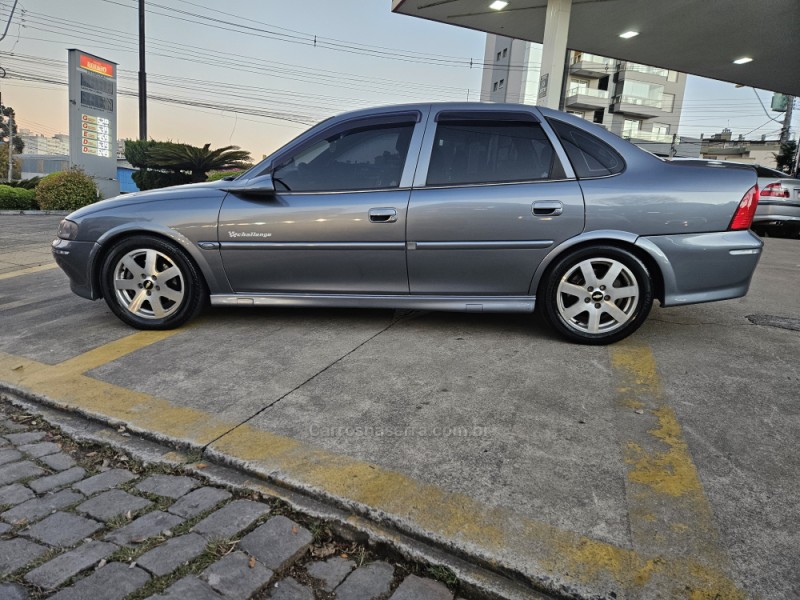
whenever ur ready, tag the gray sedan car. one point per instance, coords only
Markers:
(779, 202)
(467, 207)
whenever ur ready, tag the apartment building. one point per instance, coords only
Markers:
(36, 143)
(637, 102)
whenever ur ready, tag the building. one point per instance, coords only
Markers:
(40, 165)
(637, 102)
(36, 143)
(720, 146)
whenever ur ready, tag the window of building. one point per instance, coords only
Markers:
(576, 113)
(505, 52)
(660, 129)
(494, 87)
(362, 157)
(589, 155)
(640, 92)
(630, 128)
(469, 151)
(502, 81)
(667, 102)
(672, 76)
(498, 56)
(599, 115)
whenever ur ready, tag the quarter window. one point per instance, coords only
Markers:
(369, 157)
(486, 151)
(589, 155)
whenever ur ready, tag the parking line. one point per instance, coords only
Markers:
(112, 351)
(669, 513)
(28, 271)
(543, 552)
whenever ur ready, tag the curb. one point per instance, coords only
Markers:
(478, 582)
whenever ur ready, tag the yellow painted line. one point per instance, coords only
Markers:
(497, 534)
(141, 412)
(113, 351)
(15, 304)
(28, 271)
(669, 513)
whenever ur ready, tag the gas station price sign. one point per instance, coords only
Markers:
(93, 118)
(96, 135)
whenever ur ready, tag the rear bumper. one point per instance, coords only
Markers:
(704, 267)
(75, 259)
(770, 211)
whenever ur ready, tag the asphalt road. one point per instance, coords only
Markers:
(661, 466)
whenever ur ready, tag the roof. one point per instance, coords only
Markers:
(698, 37)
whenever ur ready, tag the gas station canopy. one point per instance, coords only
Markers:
(700, 37)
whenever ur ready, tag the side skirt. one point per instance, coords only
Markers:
(511, 304)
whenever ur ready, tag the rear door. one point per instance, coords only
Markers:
(492, 195)
(336, 223)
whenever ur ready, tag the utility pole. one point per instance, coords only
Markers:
(10, 145)
(673, 147)
(787, 119)
(142, 77)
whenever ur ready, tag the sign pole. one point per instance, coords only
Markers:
(142, 77)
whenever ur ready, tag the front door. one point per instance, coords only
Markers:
(336, 223)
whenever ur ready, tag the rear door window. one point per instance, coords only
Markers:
(474, 151)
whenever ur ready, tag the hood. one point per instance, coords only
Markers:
(188, 191)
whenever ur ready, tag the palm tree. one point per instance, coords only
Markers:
(197, 161)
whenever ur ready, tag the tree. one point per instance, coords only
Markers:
(16, 171)
(6, 112)
(150, 176)
(785, 158)
(197, 161)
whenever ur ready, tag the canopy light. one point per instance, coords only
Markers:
(743, 61)
(628, 34)
(498, 5)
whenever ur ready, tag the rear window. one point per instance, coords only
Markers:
(589, 155)
(765, 172)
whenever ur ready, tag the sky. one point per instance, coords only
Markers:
(257, 73)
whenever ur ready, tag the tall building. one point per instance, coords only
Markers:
(637, 102)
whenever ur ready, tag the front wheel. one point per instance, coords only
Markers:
(151, 284)
(597, 295)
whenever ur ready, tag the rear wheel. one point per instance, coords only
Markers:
(597, 295)
(151, 284)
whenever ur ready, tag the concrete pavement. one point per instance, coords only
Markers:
(664, 465)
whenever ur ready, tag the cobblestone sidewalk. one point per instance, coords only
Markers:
(85, 522)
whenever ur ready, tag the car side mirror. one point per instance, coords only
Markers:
(257, 186)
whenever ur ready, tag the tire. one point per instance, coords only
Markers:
(582, 302)
(150, 283)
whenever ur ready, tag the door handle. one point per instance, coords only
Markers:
(383, 215)
(547, 208)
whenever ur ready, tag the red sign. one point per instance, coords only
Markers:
(97, 66)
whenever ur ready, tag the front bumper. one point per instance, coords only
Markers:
(75, 259)
(704, 267)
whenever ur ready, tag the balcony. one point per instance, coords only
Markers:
(591, 65)
(638, 106)
(586, 98)
(647, 136)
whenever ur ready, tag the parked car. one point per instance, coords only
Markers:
(779, 203)
(458, 206)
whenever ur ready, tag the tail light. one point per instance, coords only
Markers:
(743, 216)
(775, 190)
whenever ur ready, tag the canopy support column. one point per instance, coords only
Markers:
(556, 28)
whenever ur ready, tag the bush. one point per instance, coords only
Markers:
(13, 198)
(28, 184)
(66, 190)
